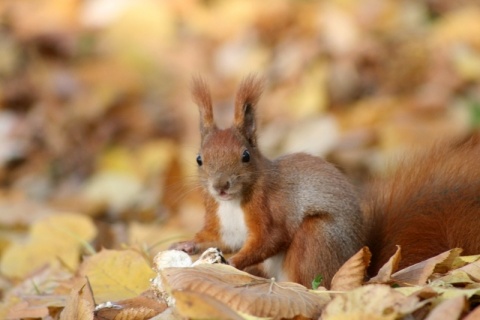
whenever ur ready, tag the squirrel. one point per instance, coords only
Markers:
(428, 205)
(297, 216)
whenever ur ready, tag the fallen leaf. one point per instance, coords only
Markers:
(421, 298)
(385, 273)
(102, 189)
(143, 306)
(374, 301)
(116, 274)
(302, 137)
(202, 306)
(140, 313)
(419, 273)
(243, 292)
(43, 246)
(452, 292)
(455, 277)
(449, 309)
(475, 314)
(80, 305)
(24, 310)
(351, 274)
(472, 269)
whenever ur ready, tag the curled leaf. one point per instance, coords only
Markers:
(352, 274)
(385, 273)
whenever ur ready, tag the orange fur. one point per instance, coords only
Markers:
(429, 205)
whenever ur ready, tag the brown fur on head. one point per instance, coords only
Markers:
(228, 157)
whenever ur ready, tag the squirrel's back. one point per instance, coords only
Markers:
(429, 205)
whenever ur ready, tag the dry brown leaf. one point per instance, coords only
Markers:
(18, 305)
(116, 275)
(143, 306)
(449, 310)
(475, 314)
(374, 301)
(419, 273)
(24, 310)
(80, 305)
(472, 269)
(202, 306)
(385, 273)
(351, 274)
(245, 293)
(449, 263)
(140, 313)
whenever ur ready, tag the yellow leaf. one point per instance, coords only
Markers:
(70, 228)
(455, 277)
(119, 160)
(103, 189)
(310, 97)
(117, 275)
(456, 27)
(59, 237)
(155, 157)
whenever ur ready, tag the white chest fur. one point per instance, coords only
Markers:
(232, 224)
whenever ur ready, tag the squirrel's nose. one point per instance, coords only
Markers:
(221, 185)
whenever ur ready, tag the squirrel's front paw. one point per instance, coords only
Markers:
(189, 247)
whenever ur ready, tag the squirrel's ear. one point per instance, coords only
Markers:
(203, 99)
(245, 102)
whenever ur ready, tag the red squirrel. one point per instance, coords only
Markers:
(297, 216)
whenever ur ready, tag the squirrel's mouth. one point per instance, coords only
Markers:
(223, 195)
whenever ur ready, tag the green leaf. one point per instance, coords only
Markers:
(475, 113)
(317, 281)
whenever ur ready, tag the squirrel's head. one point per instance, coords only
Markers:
(228, 158)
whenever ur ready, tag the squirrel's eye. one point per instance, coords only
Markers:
(246, 156)
(199, 160)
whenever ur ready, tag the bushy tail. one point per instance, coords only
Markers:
(429, 205)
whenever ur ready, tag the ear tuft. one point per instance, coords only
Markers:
(246, 100)
(203, 99)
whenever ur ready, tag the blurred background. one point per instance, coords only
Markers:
(96, 116)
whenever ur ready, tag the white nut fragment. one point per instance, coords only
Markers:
(167, 259)
(211, 256)
(179, 259)
(171, 259)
